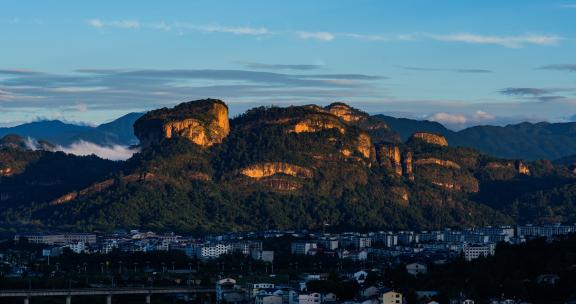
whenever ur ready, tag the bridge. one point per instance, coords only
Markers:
(26, 294)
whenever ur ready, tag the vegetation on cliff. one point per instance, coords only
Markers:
(279, 168)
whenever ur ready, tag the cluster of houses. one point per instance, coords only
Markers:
(228, 290)
(231, 291)
(443, 244)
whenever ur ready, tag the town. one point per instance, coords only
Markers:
(269, 267)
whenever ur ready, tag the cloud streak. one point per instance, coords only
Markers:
(139, 90)
(122, 24)
(505, 41)
(277, 67)
(320, 36)
(461, 70)
(517, 41)
(560, 67)
(84, 148)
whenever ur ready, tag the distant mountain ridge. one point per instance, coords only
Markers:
(116, 132)
(525, 140)
(530, 141)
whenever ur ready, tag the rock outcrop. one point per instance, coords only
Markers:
(7, 171)
(346, 112)
(204, 122)
(430, 138)
(267, 169)
(522, 168)
(388, 156)
(436, 161)
(407, 165)
(364, 145)
(403, 194)
(316, 123)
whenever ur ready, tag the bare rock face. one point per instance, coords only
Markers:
(430, 138)
(6, 171)
(407, 165)
(316, 123)
(345, 112)
(403, 194)
(438, 162)
(364, 145)
(388, 156)
(262, 170)
(522, 168)
(204, 122)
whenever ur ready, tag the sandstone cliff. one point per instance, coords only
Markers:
(315, 123)
(436, 161)
(204, 122)
(430, 138)
(261, 170)
(407, 165)
(346, 112)
(389, 157)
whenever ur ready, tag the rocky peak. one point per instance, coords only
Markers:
(407, 159)
(346, 112)
(204, 122)
(522, 168)
(431, 138)
(388, 156)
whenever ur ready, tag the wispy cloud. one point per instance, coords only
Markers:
(180, 26)
(505, 41)
(138, 90)
(84, 148)
(321, 36)
(18, 72)
(459, 121)
(460, 70)
(123, 24)
(238, 30)
(517, 41)
(267, 66)
(366, 37)
(534, 91)
(568, 6)
(560, 67)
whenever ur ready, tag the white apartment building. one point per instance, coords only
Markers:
(213, 251)
(391, 297)
(302, 248)
(475, 251)
(312, 298)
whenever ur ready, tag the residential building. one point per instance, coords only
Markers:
(416, 268)
(303, 248)
(475, 251)
(391, 297)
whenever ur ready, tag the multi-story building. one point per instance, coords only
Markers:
(328, 243)
(391, 297)
(545, 231)
(302, 248)
(475, 251)
(57, 238)
(263, 255)
(211, 251)
(311, 298)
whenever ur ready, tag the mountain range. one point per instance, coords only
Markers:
(277, 168)
(530, 141)
(116, 132)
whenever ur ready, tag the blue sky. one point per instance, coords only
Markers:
(457, 62)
